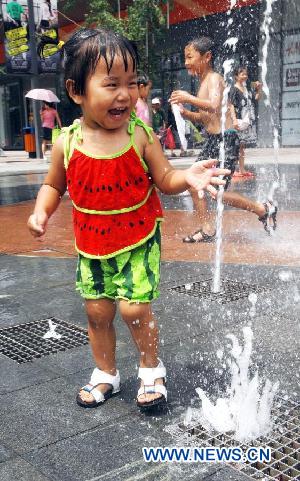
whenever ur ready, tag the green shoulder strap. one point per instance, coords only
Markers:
(133, 121)
(72, 136)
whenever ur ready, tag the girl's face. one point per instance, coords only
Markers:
(195, 62)
(242, 76)
(109, 96)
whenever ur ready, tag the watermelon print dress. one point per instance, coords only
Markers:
(116, 219)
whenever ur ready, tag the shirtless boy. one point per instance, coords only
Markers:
(199, 62)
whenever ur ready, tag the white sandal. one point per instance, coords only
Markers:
(148, 375)
(99, 377)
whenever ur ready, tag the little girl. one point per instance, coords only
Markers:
(142, 108)
(110, 161)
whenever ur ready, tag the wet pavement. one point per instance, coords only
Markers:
(44, 434)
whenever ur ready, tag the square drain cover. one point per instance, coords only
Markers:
(230, 290)
(25, 342)
(284, 441)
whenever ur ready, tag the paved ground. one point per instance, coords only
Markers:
(44, 434)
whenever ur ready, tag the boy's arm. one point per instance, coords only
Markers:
(173, 181)
(50, 193)
(195, 117)
(212, 104)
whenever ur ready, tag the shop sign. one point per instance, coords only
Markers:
(291, 90)
(291, 77)
(291, 49)
(16, 35)
(291, 105)
(291, 132)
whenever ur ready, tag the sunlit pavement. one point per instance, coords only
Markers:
(44, 434)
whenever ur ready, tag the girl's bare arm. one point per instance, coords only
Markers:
(173, 181)
(50, 193)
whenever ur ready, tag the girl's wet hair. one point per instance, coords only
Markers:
(239, 69)
(142, 79)
(82, 52)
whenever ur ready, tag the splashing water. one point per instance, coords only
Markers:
(253, 300)
(264, 70)
(246, 411)
(272, 190)
(231, 42)
(276, 183)
(266, 30)
(227, 66)
(52, 334)
(285, 276)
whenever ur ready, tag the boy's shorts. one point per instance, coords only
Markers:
(211, 150)
(133, 275)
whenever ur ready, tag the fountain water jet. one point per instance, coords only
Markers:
(227, 66)
(246, 411)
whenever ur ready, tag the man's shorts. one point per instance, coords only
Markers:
(211, 150)
(133, 275)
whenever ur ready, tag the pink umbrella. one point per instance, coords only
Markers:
(42, 94)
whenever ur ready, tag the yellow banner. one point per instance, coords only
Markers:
(16, 43)
(16, 33)
(17, 50)
(49, 50)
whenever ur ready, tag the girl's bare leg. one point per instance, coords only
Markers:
(143, 327)
(102, 336)
(44, 147)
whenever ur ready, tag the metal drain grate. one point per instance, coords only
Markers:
(25, 342)
(230, 290)
(284, 441)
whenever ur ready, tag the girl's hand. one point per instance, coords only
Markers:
(180, 97)
(37, 224)
(201, 175)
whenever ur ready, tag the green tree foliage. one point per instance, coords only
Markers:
(101, 13)
(145, 23)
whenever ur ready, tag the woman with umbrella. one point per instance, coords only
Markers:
(48, 113)
(49, 116)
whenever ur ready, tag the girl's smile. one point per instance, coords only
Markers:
(118, 113)
(109, 96)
